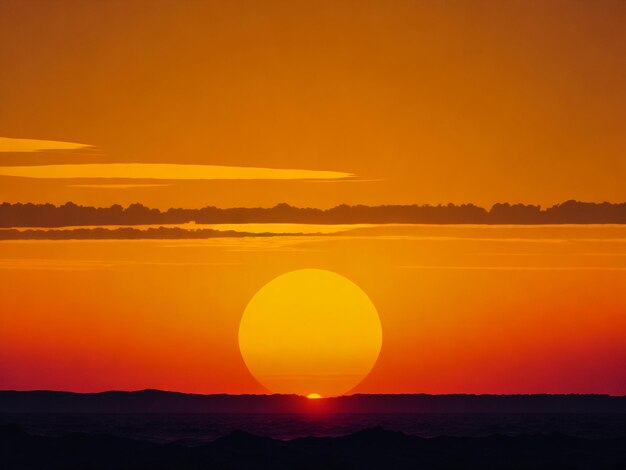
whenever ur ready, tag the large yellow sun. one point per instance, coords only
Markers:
(310, 332)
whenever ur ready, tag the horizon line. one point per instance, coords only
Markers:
(277, 205)
(269, 394)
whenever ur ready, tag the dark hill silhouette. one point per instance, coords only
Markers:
(367, 449)
(156, 401)
(70, 214)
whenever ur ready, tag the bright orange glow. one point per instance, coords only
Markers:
(310, 329)
(165, 171)
(314, 396)
(465, 309)
(315, 104)
(8, 144)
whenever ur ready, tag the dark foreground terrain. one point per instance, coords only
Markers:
(370, 448)
(159, 401)
(157, 429)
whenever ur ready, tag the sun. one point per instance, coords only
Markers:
(310, 332)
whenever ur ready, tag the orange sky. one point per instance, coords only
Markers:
(316, 103)
(462, 309)
(425, 102)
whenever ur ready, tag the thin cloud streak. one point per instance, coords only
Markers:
(516, 268)
(53, 264)
(80, 264)
(117, 186)
(8, 144)
(167, 171)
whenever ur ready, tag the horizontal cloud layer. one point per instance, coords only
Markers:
(118, 186)
(166, 171)
(8, 144)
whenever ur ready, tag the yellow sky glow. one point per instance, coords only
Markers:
(166, 171)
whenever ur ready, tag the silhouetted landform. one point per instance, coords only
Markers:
(368, 449)
(127, 233)
(157, 401)
(70, 214)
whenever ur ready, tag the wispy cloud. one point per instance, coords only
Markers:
(516, 268)
(8, 144)
(377, 180)
(166, 171)
(144, 171)
(53, 264)
(117, 186)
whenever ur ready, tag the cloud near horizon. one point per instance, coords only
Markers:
(167, 171)
(118, 186)
(145, 171)
(9, 144)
